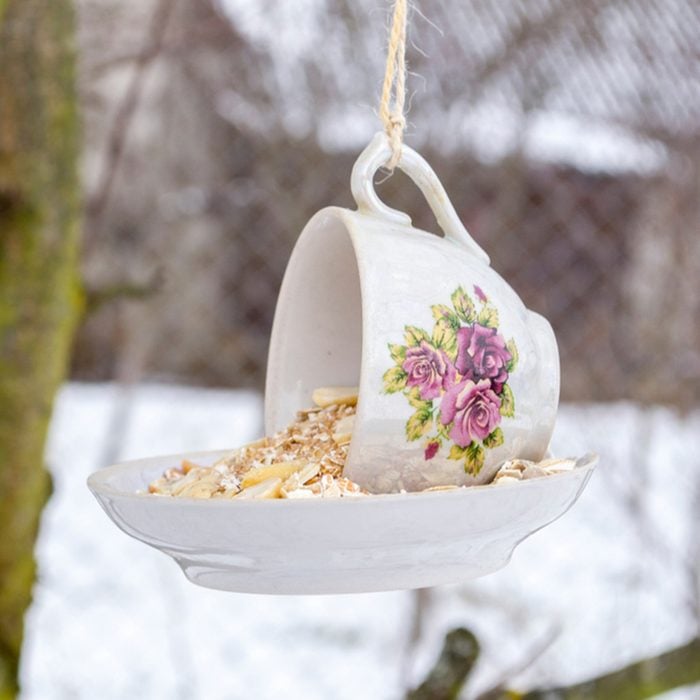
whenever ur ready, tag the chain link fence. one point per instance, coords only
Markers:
(565, 132)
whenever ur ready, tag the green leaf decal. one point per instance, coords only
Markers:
(507, 402)
(414, 336)
(443, 431)
(513, 350)
(457, 452)
(442, 312)
(416, 401)
(394, 380)
(419, 423)
(445, 337)
(494, 439)
(474, 458)
(488, 316)
(463, 305)
(398, 353)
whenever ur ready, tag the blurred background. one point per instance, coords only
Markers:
(567, 133)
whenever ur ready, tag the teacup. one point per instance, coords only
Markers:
(455, 375)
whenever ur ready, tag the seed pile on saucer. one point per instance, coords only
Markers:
(306, 460)
(519, 469)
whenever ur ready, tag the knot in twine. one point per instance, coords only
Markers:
(391, 106)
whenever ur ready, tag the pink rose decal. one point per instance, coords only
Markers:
(482, 353)
(428, 369)
(473, 409)
(456, 380)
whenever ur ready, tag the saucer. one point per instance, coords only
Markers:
(334, 545)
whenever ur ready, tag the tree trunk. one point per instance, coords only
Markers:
(40, 297)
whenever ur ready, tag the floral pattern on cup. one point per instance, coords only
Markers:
(456, 379)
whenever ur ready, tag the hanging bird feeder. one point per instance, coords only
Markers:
(456, 379)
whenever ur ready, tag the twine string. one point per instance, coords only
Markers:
(392, 104)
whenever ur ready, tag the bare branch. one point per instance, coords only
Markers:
(643, 679)
(530, 30)
(526, 662)
(197, 37)
(96, 298)
(123, 118)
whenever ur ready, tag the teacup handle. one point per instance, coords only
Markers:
(416, 167)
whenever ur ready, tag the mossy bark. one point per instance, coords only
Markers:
(40, 296)
(643, 679)
(648, 678)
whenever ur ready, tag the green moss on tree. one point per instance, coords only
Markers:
(640, 680)
(40, 297)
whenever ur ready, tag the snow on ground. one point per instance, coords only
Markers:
(113, 619)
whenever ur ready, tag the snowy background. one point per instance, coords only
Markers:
(567, 134)
(611, 581)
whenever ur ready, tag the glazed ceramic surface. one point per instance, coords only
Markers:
(455, 374)
(343, 545)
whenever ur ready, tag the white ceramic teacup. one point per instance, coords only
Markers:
(455, 374)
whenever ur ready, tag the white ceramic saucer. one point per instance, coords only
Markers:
(343, 545)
